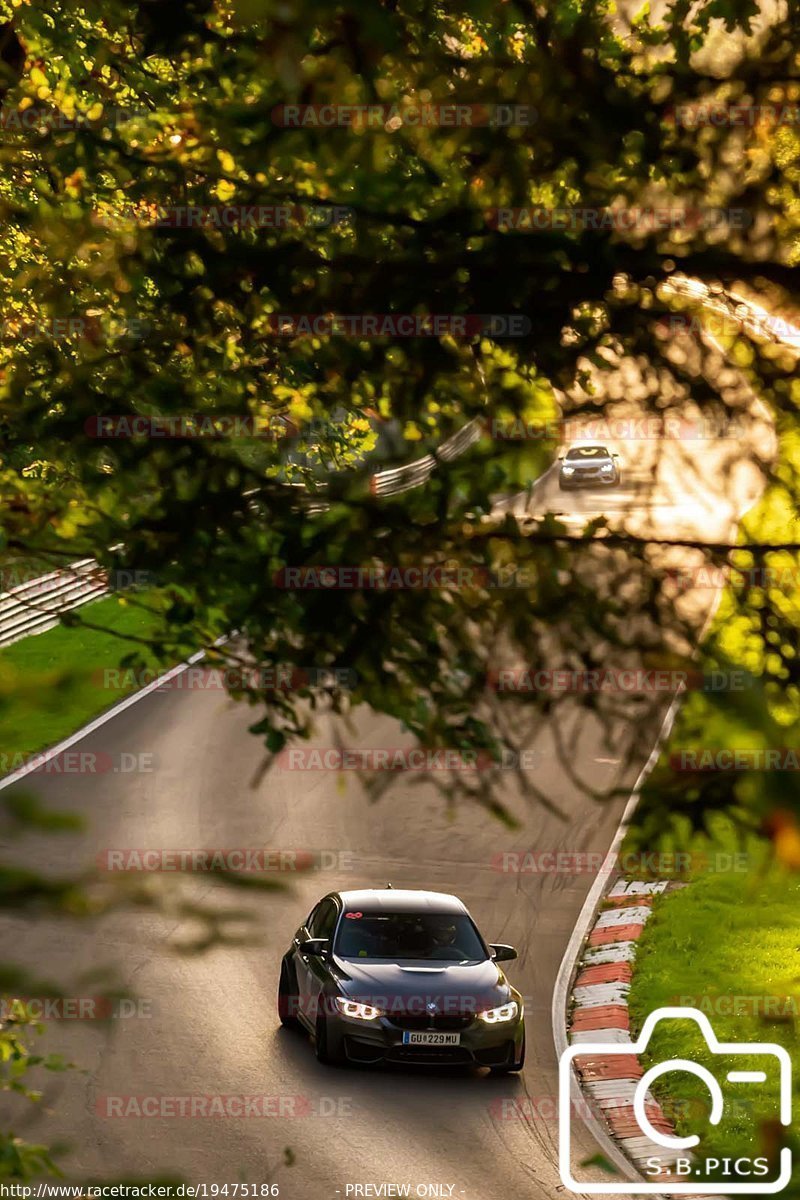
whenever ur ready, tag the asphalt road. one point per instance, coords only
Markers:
(208, 1025)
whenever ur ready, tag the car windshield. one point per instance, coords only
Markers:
(579, 452)
(442, 936)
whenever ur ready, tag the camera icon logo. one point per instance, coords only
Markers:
(669, 1155)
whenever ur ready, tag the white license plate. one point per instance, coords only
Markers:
(430, 1038)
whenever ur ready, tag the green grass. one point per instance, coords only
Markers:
(52, 683)
(729, 945)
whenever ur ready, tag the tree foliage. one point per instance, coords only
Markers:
(118, 306)
(118, 116)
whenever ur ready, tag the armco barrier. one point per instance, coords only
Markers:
(395, 480)
(36, 606)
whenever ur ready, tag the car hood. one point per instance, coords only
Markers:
(411, 986)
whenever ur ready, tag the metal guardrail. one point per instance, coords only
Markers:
(395, 480)
(36, 606)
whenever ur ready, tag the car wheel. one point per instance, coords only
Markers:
(517, 1065)
(287, 998)
(327, 1053)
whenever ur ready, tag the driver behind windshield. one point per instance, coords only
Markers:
(404, 936)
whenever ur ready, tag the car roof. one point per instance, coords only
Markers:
(401, 900)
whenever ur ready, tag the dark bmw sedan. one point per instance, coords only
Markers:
(403, 977)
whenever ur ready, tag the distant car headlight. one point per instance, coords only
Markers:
(352, 1008)
(505, 1012)
(606, 468)
(567, 470)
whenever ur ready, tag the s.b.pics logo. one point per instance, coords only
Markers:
(738, 1083)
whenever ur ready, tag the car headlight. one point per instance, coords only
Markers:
(567, 470)
(505, 1012)
(352, 1008)
(607, 468)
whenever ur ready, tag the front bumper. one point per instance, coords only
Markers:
(586, 480)
(381, 1040)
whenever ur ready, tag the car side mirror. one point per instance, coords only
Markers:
(615, 456)
(316, 947)
(502, 953)
(561, 458)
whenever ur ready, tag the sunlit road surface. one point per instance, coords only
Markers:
(213, 1029)
(684, 473)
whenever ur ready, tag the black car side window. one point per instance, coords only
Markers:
(322, 921)
(328, 920)
(313, 918)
